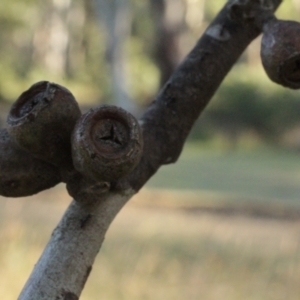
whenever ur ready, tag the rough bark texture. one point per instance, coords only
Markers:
(67, 260)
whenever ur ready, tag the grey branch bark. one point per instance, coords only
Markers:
(67, 260)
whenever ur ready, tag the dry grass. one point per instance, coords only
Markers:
(162, 252)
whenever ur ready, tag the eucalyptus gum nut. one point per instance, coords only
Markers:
(41, 122)
(20, 173)
(280, 52)
(106, 143)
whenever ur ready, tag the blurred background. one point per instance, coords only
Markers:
(221, 223)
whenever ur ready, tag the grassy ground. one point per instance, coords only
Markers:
(251, 175)
(178, 244)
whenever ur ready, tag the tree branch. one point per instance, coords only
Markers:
(67, 260)
(169, 119)
(66, 263)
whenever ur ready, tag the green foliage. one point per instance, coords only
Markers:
(248, 101)
(212, 8)
(144, 75)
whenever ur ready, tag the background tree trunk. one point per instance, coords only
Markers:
(168, 18)
(115, 15)
(51, 39)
